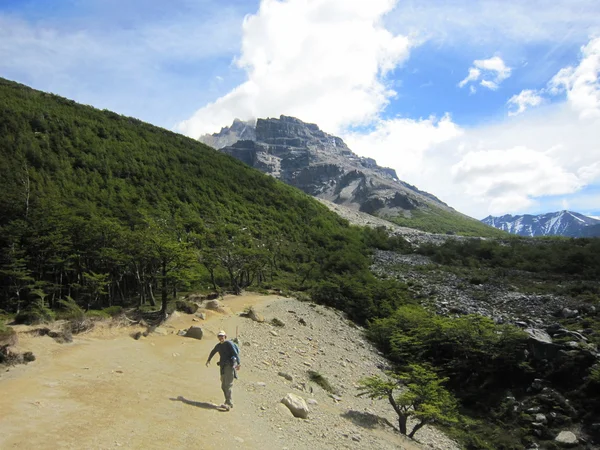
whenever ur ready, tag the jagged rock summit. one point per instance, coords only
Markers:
(561, 223)
(322, 165)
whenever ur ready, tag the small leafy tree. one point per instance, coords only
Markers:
(413, 392)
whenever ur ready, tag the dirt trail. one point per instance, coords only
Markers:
(107, 390)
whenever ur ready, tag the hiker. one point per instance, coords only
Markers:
(229, 363)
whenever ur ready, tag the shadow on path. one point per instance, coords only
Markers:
(196, 404)
(366, 420)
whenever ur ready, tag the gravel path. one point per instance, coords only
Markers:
(107, 390)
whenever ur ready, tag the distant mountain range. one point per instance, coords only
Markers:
(561, 223)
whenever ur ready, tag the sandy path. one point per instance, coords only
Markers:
(119, 392)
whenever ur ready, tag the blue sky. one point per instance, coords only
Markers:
(493, 106)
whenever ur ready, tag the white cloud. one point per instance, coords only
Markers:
(511, 177)
(530, 161)
(489, 84)
(474, 74)
(581, 83)
(94, 60)
(589, 173)
(402, 143)
(523, 100)
(324, 61)
(517, 22)
(493, 68)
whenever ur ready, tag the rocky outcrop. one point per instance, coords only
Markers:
(322, 165)
(239, 130)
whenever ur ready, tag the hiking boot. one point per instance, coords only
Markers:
(223, 407)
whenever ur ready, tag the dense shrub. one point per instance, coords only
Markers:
(37, 313)
(186, 307)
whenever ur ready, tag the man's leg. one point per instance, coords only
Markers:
(227, 384)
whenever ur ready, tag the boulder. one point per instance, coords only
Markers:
(296, 405)
(215, 305)
(540, 344)
(252, 314)
(8, 338)
(194, 332)
(566, 438)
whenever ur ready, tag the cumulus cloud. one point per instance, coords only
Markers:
(532, 161)
(523, 100)
(510, 178)
(402, 143)
(324, 61)
(492, 72)
(581, 84)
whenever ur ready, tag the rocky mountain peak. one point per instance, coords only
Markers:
(239, 130)
(320, 164)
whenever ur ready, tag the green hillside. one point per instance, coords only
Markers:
(108, 210)
(437, 220)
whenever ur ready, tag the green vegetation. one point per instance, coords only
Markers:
(319, 379)
(575, 259)
(415, 391)
(438, 220)
(109, 211)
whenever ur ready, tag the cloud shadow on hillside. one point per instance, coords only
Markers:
(365, 419)
(204, 405)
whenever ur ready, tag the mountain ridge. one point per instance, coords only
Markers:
(322, 165)
(559, 223)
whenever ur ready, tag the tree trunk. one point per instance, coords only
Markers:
(234, 282)
(151, 296)
(211, 271)
(164, 293)
(402, 424)
(416, 428)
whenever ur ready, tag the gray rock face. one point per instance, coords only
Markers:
(322, 165)
(230, 135)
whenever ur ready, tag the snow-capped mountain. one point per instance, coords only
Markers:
(561, 223)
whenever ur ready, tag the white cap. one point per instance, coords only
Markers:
(221, 333)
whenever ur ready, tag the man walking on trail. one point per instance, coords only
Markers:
(229, 363)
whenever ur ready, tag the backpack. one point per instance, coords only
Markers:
(234, 348)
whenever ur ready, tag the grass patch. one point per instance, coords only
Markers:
(276, 322)
(319, 379)
(437, 220)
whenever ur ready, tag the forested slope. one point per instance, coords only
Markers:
(107, 210)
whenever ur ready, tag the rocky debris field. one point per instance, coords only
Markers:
(415, 237)
(277, 360)
(452, 294)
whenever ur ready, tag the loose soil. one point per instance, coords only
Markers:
(108, 390)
